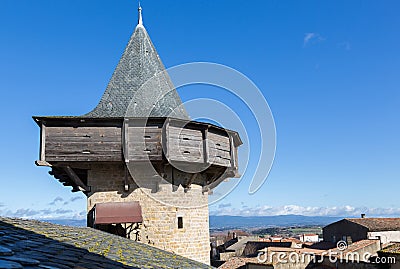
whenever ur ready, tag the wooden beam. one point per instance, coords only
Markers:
(42, 163)
(215, 182)
(42, 156)
(164, 138)
(233, 153)
(75, 178)
(205, 146)
(189, 182)
(125, 140)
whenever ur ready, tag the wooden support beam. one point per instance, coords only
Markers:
(217, 180)
(125, 140)
(189, 182)
(42, 156)
(164, 138)
(42, 163)
(233, 153)
(75, 178)
(205, 146)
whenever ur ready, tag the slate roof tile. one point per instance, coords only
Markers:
(140, 79)
(31, 244)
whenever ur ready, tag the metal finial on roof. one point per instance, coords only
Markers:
(140, 20)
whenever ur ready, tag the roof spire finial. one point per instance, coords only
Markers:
(140, 20)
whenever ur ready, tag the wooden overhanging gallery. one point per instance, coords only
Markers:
(201, 153)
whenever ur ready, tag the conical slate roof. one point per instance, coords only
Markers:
(140, 86)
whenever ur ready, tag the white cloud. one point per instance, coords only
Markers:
(58, 213)
(312, 38)
(340, 211)
(56, 200)
(73, 199)
(345, 45)
(59, 199)
(308, 37)
(224, 205)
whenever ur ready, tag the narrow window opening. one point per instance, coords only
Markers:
(180, 222)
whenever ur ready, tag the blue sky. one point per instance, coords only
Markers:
(328, 69)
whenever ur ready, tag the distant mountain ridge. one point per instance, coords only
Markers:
(217, 222)
(68, 222)
(269, 221)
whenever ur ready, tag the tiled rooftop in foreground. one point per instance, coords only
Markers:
(393, 248)
(37, 245)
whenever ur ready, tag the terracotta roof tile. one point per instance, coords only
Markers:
(392, 249)
(237, 262)
(378, 224)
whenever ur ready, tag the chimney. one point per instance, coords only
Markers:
(362, 215)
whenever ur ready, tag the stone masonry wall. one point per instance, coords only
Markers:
(160, 218)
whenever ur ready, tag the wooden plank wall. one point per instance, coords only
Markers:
(185, 145)
(144, 145)
(105, 144)
(83, 144)
(219, 148)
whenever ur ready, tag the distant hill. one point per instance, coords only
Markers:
(68, 222)
(217, 222)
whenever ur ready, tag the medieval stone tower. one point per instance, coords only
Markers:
(145, 168)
